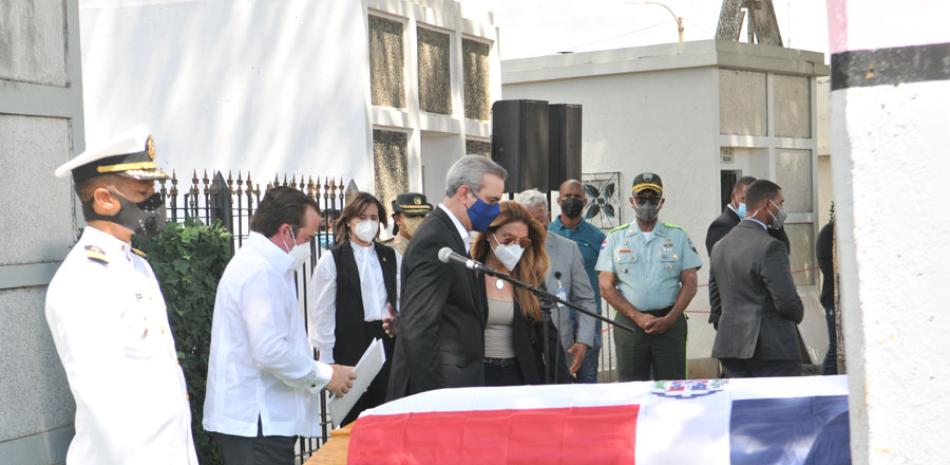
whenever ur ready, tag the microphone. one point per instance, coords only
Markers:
(561, 292)
(446, 255)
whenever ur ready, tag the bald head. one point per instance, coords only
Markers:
(572, 199)
(572, 185)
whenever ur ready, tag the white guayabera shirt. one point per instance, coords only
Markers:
(261, 361)
(107, 317)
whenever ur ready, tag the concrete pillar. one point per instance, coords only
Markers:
(890, 107)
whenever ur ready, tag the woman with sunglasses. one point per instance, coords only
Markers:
(514, 245)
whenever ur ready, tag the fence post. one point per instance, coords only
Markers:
(221, 202)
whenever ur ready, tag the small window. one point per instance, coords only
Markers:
(477, 147)
(386, 62)
(435, 85)
(391, 164)
(475, 69)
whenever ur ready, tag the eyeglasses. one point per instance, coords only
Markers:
(523, 242)
(647, 200)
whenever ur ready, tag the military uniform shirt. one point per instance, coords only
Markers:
(107, 317)
(648, 270)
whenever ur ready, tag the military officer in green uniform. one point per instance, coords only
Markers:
(647, 272)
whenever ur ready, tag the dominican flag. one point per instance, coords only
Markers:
(787, 421)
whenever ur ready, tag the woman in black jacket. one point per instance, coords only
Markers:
(514, 341)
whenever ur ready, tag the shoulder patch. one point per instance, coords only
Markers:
(139, 253)
(96, 254)
(674, 226)
(619, 228)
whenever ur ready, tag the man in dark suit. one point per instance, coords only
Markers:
(443, 313)
(756, 305)
(735, 212)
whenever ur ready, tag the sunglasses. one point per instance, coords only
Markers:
(524, 242)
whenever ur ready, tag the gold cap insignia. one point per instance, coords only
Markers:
(417, 200)
(150, 148)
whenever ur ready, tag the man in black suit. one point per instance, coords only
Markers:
(756, 306)
(440, 340)
(734, 212)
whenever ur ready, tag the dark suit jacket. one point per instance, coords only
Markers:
(717, 230)
(728, 220)
(751, 278)
(442, 317)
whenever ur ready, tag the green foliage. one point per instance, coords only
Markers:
(188, 260)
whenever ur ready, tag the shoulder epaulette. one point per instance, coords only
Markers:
(96, 254)
(619, 228)
(674, 226)
(139, 253)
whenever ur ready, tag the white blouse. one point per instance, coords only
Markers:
(322, 311)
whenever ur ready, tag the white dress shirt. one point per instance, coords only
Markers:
(323, 287)
(261, 362)
(107, 317)
(466, 236)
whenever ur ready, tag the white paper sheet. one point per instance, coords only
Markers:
(366, 370)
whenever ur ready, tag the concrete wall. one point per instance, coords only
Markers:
(890, 88)
(262, 86)
(41, 126)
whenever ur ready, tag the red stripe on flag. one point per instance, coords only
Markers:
(574, 435)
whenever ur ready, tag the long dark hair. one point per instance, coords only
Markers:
(354, 207)
(534, 261)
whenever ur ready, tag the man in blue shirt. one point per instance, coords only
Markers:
(588, 238)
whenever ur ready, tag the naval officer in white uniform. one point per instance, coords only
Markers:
(107, 316)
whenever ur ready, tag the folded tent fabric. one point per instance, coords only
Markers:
(739, 421)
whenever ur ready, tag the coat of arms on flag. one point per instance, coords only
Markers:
(688, 388)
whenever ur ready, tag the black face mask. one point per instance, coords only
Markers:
(572, 207)
(146, 218)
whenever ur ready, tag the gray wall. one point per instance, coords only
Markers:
(41, 126)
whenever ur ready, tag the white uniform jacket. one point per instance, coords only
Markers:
(107, 317)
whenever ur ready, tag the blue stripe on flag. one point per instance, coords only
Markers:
(784, 431)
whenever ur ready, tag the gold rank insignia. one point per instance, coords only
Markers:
(96, 254)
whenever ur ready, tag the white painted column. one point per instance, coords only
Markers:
(890, 106)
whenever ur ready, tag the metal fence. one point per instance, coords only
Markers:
(233, 200)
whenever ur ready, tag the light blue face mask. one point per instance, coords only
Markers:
(741, 211)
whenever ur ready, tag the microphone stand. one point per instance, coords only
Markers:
(548, 301)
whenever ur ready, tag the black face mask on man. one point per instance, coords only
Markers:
(572, 207)
(146, 218)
